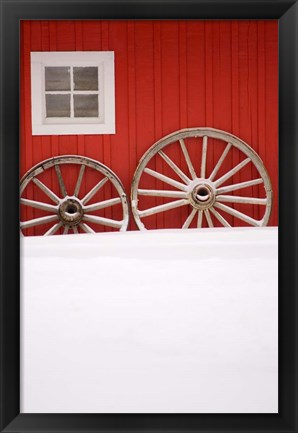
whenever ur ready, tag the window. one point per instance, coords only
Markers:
(72, 92)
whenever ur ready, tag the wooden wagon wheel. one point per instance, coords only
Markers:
(209, 194)
(70, 211)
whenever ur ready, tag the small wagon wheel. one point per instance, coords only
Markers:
(72, 209)
(210, 194)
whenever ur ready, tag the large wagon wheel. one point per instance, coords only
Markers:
(72, 211)
(211, 195)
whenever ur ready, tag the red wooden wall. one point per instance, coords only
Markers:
(168, 75)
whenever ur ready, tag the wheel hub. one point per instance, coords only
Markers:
(70, 212)
(202, 194)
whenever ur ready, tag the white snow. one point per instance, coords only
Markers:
(169, 321)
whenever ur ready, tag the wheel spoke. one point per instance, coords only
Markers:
(53, 229)
(174, 167)
(79, 181)
(163, 207)
(165, 179)
(238, 199)
(220, 218)
(86, 228)
(94, 190)
(39, 205)
(204, 156)
(200, 219)
(38, 221)
(65, 231)
(230, 188)
(60, 180)
(75, 230)
(208, 218)
(46, 190)
(189, 219)
(238, 214)
(102, 204)
(103, 221)
(161, 193)
(232, 172)
(220, 161)
(187, 159)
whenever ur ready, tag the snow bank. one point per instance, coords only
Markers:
(156, 321)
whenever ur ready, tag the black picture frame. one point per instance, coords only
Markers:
(11, 13)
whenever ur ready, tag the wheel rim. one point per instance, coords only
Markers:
(75, 212)
(211, 193)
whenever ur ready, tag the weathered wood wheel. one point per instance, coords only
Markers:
(70, 210)
(211, 193)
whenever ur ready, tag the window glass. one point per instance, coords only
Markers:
(86, 105)
(85, 78)
(57, 105)
(57, 78)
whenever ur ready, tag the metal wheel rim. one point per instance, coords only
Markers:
(231, 141)
(80, 205)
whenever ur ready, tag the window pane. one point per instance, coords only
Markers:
(58, 105)
(85, 78)
(85, 105)
(57, 78)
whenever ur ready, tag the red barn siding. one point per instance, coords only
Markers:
(168, 75)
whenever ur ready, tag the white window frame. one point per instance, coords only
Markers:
(104, 124)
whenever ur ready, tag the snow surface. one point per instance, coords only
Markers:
(169, 321)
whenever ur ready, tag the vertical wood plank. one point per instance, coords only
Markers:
(158, 119)
(170, 99)
(182, 212)
(257, 211)
(120, 140)
(26, 151)
(244, 94)
(79, 46)
(261, 91)
(131, 107)
(271, 92)
(144, 95)
(235, 98)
